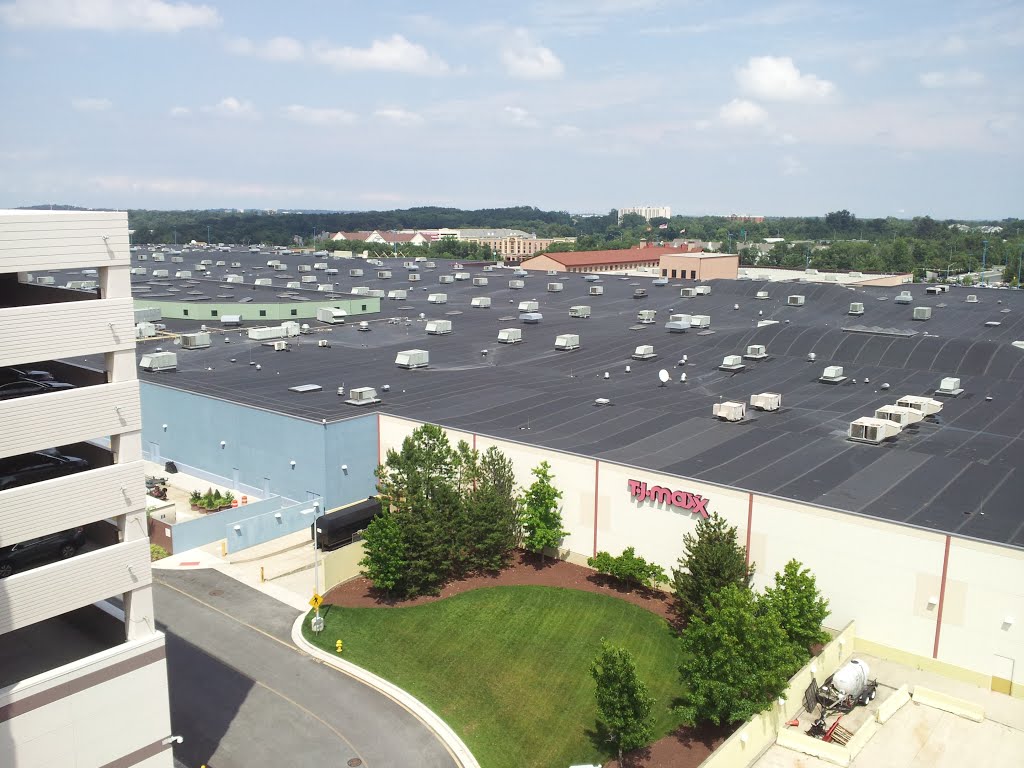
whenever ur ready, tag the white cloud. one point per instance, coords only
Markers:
(154, 15)
(190, 188)
(529, 60)
(776, 78)
(791, 166)
(398, 116)
(318, 115)
(232, 107)
(91, 105)
(520, 116)
(395, 54)
(180, 112)
(961, 78)
(742, 112)
(274, 49)
(565, 131)
(953, 45)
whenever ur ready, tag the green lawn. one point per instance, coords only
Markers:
(508, 667)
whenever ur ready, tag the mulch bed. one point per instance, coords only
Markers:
(684, 748)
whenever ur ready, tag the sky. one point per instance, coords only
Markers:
(780, 108)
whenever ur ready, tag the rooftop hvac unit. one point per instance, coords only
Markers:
(158, 257)
(43, 280)
(596, 290)
(552, 272)
(161, 273)
(922, 313)
(305, 268)
(355, 273)
(766, 401)
(279, 346)
(949, 387)
(933, 289)
(756, 352)
(177, 259)
(531, 318)
(555, 287)
(145, 330)
(510, 335)
(580, 310)
(461, 276)
(183, 274)
(266, 333)
(439, 327)
(856, 308)
(359, 290)
(644, 352)
(437, 298)
(762, 295)
(143, 257)
(413, 358)
(363, 326)
(326, 287)
(222, 264)
(291, 328)
(660, 282)
(331, 315)
(729, 411)
(903, 297)
(236, 265)
(427, 264)
(480, 281)
(646, 316)
(520, 272)
(528, 306)
(229, 320)
(398, 295)
(147, 314)
(408, 264)
(195, 340)
(413, 277)
(700, 321)
(926, 405)
(293, 284)
(567, 342)
(687, 293)
(833, 375)
(732, 363)
(796, 300)
(159, 361)
(200, 268)
(902, 416)
(811, 271)
(972, 298)
(481, 302)
(703, 290)
(874, 431)
(376, 293)
(591, 278)
(262, 281)
(446, 279)
(384, 274)
(362, 396)
(273, 262)
(280, 267)
(489, 268)
(320, 266)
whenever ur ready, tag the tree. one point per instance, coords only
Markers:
(623, 703)
(542, 516)
(736, 659)
(800, 607)
(383, 561)
(712, 559)
(628, 568)
(491, 510)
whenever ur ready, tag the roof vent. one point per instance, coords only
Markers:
(732, 364)
(644, 352)
(811, 357)
(949, 387)
(833, 374)
(972, 298)
(904, 297)
(756, 352)
(856, 308)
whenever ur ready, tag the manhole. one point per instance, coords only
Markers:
(354, 762)
(216, 592)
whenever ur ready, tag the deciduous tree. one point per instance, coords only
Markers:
(799, 605)
(623, 703)
(542, 514)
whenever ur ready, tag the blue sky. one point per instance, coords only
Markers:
(779, 108)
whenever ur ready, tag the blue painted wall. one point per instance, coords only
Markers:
(257, 529)
(261, 444)
(205, 529)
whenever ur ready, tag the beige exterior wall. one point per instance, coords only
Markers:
(885, 576)
(694, 266)
(544, 261)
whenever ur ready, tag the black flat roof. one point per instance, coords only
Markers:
(962, 472)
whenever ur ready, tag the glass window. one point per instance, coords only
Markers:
(295, 312)
(213, 313)
(184, 312)
(263, 313)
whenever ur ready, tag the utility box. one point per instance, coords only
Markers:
(949, 387)
(646, 316)
(555, 287)
(567, 342)
(873, 431)
(159, 361)
(515, 285)
(729, 411)
(399, 294)
(700, 321)
(480, 281)
(756, 352)
(644, 352)
(362, 396)
(856, 308)
(331, 315)
(580, 310)
(481, 302)
(510, 335)
(437, 298)
(833, 374)
(796, 300)
(195, 340)
(766, 401)
(922, 313)
(439, 327)
(904, 297)
(926, 405)
(413, 358)
(732, 363)
(596, 290)
(528, 306)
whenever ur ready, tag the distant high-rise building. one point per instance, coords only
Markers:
(647, 211)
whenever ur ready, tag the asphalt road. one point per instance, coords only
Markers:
(243, 696)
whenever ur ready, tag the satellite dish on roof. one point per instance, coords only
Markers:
(663, 376)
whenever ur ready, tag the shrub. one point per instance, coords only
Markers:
(156, 552)
(629, 568)
(195, 498)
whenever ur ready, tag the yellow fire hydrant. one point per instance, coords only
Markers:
(337, 646)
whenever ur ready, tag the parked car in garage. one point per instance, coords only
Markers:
(14, 374)
(26, 387)
(34, 552)
(40, 465)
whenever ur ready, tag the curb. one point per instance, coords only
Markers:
(455, 746)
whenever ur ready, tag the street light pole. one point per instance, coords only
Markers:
(316, 623)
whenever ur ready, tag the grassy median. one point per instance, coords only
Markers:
(508, 667)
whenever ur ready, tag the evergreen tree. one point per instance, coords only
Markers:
(542, 515)
(712, 559)
(491, 513)
(623, 703)
(799, 605)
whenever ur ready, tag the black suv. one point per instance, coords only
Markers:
(54, 546)
(14, 374)
(40, 465)
(26, 387)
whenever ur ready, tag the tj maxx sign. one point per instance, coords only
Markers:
(681, 499)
